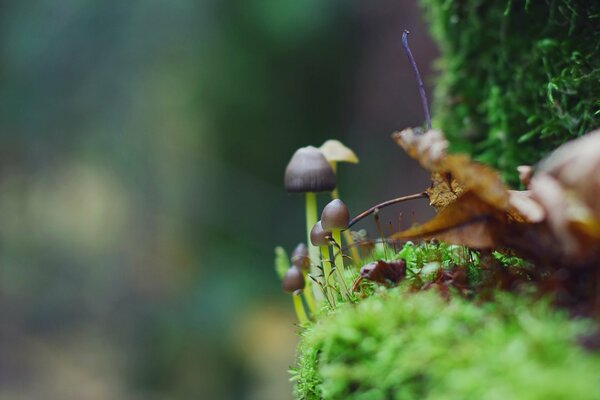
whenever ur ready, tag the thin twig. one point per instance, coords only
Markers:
(418, 76)
(385, 204)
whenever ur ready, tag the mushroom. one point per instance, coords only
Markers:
(309, 172)
(300, 257)
(335, 151)
(335, 217)
(293, 282)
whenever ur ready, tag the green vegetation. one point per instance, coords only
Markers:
(519, 78)
(400, 345)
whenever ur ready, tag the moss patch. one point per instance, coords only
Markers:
(519, 77)
(401, 345)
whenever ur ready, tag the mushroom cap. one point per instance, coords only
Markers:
(309, 171)
(300, 257)
(293, 280)
(318, 236)
(336, 151)
(335, 215)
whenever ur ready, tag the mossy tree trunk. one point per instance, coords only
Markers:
(518, 78)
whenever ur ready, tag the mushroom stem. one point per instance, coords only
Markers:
(339, 261)
(311, 220)
(326, 260)
(313, 252)
(299, 308)
(309, 297)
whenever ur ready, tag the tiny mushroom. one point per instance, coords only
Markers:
(293, 282)
(335, 217)
(300, 257)
(335, 151)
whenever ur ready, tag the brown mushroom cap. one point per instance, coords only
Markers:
(318, 236)
(293, 280)
(336, 151)
(335, 215)
(300, 257)
(309, 171)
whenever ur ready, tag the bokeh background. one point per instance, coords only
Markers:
(142, 149)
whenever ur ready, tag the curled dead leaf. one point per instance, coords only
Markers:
(452, 174)
(468, 221)
(558, 219)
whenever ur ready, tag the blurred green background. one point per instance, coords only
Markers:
(142, 152)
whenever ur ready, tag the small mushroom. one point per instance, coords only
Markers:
(293, 282)
(335, 217)
(335, 151)
(300, 257)
(318, 236)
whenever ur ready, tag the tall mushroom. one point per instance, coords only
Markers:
(309, 172)
(335, 152)
(335, 218)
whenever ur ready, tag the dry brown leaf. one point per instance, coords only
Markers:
(452, 174)
(478, 178)
(558, 219)
(468, 221)
(443, 191)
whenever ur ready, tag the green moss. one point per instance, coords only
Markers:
(518, 78)
(400, 345)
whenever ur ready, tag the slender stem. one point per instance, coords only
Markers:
(310, 293)
(339, 261)
(299, 308)
(326, 260)
(347, 236)
(418, 76)
(351, 245)
(311, 220)
(385, 204)
(334, 193)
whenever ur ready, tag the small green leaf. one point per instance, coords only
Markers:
(282, 262)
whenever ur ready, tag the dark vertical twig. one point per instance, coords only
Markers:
(418, 76)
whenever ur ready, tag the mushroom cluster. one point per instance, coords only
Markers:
(310, 171)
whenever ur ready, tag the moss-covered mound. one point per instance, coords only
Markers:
(400, 345)
(519, 77)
